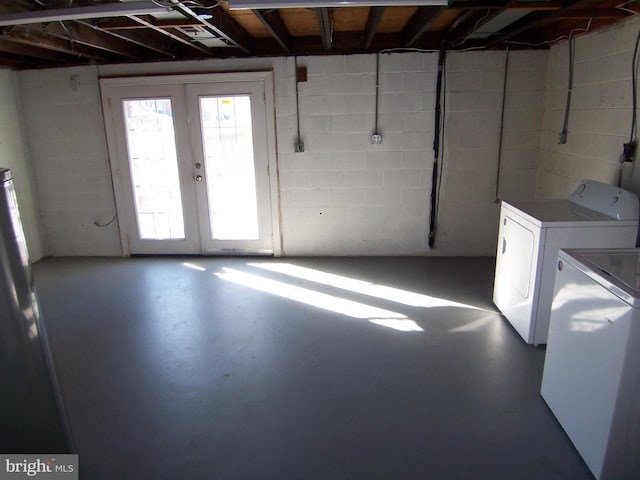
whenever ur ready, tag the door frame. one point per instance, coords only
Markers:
(119, 186)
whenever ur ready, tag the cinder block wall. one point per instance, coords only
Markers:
(14, 154)
(65, 133)
(473, 182)
(345, 195)
(600, 115)
(342, 195)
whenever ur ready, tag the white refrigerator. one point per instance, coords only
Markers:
(32, 415)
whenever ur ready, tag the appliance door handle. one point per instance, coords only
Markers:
(504, 245)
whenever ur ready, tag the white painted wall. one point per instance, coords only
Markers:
(14, 155)
(600, 116)
(343, 195)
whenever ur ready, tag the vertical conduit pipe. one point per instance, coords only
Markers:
(436, 149)
(562, 137)
(504, 96)
(375, 128)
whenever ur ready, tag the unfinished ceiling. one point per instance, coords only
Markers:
(48, 33)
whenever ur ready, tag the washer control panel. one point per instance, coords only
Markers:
(606, 199)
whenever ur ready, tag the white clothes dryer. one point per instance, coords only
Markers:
(595, 215)
(591, 377)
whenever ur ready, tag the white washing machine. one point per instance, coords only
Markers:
(591, 377)
(531, 233)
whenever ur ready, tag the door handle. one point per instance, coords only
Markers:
(504, 245)
(198, 178)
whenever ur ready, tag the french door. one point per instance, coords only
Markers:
(191, 158)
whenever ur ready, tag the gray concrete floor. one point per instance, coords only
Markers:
(231, 368)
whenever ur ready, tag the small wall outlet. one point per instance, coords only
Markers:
(376, 139)
(562, 137)
(298, 147)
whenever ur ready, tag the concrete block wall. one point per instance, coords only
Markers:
(14, 154)
(343, 195)
(70, 160)
(600, 115)
(472, 180)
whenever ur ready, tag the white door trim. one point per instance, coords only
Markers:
(261, 76)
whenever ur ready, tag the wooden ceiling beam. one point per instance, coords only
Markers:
(466, 24)
(151, 40)
(585, 13)
(528, 21)
(50, 15)
(175, 35)
(373, 20)
(324, 17)
(273, 22)
(472, 21)
(498, 4)
(419, 24)
(33, 52)
(220, 24)
(132, 23)
(37, 36)
(539, 6)
(80, 33)
(345, 43)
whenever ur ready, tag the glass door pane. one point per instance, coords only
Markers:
(227, 141)
(153, 163)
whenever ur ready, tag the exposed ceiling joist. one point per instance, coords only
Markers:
(586, 13)
(52, 33)
(325, 24)
(36, 36)
(152, 41)
(419, 24)
(175, 35)
(498, 5)
(33, 52)
(220, 23)
(528, 21)
(80, 33)
(81, 13)
(473, 21)
(373, 20)
(148, 21)
(276, 27)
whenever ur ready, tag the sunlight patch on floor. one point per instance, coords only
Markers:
(193, 266)
(359, 286)
(350, 308)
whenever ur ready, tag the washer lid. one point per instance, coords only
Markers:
(616, 269)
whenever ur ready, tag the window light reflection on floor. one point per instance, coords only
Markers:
(350, 308)
(193, 266)
(359, 286)
(401, 324)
